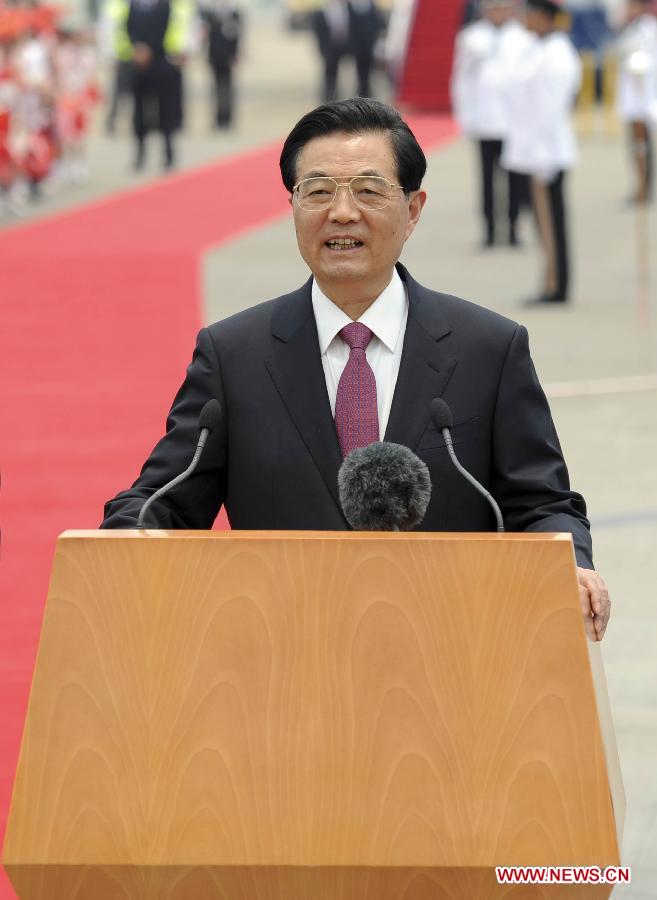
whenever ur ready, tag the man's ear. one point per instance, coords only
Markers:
(415, 206)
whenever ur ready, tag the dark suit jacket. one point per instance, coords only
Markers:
(365, 26)
(147, 24)
(329, 46)
(276, 465)
(224, 32)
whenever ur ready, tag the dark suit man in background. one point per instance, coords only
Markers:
(356, 355)
(157, 45)
(223, 22)
(365, 27)
(347, 28)
(331, 27)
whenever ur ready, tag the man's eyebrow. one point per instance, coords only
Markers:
(319, 173)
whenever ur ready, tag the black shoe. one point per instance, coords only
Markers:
(514, 241)
(169, 160)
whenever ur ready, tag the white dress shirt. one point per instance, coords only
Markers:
(386, 318)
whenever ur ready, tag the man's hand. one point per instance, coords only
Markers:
(595, 603)
(142, 55)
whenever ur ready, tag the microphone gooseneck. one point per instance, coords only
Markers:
(383, 487)
(441, 416)
(209, 421)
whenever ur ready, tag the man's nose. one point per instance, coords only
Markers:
(343, 208)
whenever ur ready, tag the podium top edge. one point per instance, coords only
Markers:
(443, 536)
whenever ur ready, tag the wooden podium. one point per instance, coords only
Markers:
(312, 716)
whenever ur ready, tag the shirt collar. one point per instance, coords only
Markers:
(385, 317)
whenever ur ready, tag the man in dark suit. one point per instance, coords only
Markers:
(331, 26)
(223, 22)
(157, 76)
(365, 26)
(362, 349)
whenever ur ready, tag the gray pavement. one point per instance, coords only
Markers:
(597, 356)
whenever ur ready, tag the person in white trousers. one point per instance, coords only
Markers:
(541, 141)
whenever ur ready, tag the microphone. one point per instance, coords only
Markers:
(383, 487)
(441, 416)
(209, 421)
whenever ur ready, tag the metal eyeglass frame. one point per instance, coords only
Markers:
(344, 184)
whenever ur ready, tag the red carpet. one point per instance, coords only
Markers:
(100, 307)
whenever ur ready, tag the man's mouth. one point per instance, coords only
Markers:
(342, 244)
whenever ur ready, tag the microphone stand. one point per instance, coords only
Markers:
(174, 481)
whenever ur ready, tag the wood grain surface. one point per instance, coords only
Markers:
(295, 715)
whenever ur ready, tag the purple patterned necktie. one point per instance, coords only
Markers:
(356, 413)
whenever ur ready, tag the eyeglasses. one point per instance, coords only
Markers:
(367, 191)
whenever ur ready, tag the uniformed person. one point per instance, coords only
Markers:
(485, 55)
(541, 141)
(637, 90)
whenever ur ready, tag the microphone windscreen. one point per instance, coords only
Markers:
(384, 487)
(211, 416)
(441, 414)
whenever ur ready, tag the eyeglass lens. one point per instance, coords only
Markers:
(369, 192)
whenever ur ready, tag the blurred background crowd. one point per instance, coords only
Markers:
(48, 89)
(67, 68)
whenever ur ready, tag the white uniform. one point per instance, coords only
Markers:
(637, 83)
(541, 141)
(484, 60)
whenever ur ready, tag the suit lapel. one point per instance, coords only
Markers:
(425, 367)
(297, 372)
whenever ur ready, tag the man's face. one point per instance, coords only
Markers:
(380, 233)
(498, 13)
(537, 21)
(635, 9)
